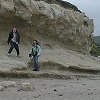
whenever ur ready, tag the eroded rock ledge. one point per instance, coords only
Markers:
(70, 27)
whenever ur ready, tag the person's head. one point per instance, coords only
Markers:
(35, 42)
(14, 30)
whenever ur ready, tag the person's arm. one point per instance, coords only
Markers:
(9, 38)
(40, 50)
(30, 54)
(18, 37)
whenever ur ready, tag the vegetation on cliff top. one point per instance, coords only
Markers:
(97, 40)
(95, 51)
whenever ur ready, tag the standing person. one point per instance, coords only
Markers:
(35, 53)
(14, 40)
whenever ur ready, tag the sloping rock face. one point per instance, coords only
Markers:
(70, 27)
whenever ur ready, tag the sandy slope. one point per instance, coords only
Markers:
(54, 58)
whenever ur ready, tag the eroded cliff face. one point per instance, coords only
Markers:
(70, 27)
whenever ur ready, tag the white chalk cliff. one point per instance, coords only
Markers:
(59, 30)
(71, 27)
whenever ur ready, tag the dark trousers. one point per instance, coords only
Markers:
(13, 45)
(36, 64)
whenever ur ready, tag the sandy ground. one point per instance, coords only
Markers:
(53, 89)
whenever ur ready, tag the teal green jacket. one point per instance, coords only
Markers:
(36, 50)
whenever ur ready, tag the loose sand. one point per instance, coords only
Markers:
(53, 89)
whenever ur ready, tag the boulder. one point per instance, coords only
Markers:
(25, 87)
(2, 88)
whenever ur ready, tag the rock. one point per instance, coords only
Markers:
(60, 94)
(55, 90)
(8, 4)
(91, 93)
(84, 84)
(72, 28)
(88, 89)
(7, 84)
(25, 87)
(37, 96)
(88, 94)
(2, 88)
(59, 28)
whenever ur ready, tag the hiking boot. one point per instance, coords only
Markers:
(35, 70)
(18, 56)
(8, 54)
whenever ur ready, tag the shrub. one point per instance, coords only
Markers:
(95, 51)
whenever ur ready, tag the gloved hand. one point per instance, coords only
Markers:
(30, 55)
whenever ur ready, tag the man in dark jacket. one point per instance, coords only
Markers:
(14, 40)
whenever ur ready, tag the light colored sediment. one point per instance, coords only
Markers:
(55, 60)
(54, 89)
